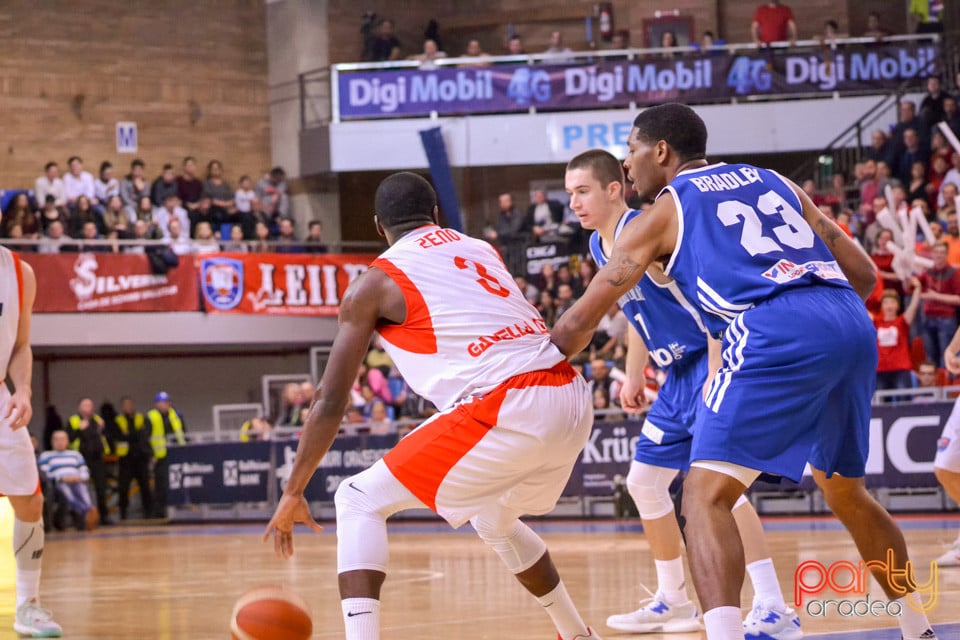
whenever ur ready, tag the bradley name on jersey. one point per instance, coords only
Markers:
(726, 181)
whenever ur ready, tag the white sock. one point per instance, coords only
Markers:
(763, 575)
(912, 622)
(723, 623)
(28, 550)
(361, 617)
(559, 607)
(670, 580)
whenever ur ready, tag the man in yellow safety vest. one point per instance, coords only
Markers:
(164, 422)
(87, 436)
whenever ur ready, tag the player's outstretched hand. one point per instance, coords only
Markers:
(17, 411)
(952, 362)
(290, 510)
(632, 398)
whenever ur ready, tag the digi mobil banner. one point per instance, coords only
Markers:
(278, 284)
(72, 282)
(620, 83)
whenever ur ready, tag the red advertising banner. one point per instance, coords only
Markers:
(72, 282)
(278, 284)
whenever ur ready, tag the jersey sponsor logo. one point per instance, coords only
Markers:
(633, 295)
(943, 444)
(222, 280)
(511, 332)
(786, 271)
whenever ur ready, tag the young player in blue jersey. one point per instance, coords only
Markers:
(799, 351)
(664, 325)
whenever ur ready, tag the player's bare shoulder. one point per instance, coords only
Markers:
(373, 294)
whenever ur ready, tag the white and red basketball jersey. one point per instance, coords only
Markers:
(11, 296)
(468, 327)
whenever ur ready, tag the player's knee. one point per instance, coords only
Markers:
(516, 543)
(649, 486)
(28, 508)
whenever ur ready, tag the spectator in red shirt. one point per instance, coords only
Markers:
(773, 22)
(941, 297)
(894, 367)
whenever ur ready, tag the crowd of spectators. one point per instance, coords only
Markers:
(772, 21)
(191, 214)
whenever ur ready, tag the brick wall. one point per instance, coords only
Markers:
(192, 75)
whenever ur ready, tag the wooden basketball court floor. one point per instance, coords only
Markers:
(180, 582)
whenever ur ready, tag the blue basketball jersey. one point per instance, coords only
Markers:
(669, 324)
(742, 240)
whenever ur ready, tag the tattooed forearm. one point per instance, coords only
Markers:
(828, 232)
(625, 270)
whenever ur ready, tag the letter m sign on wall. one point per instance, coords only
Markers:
(126, 137)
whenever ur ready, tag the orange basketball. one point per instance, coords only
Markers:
(271, 613)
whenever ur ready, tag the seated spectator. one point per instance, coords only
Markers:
(189, 188)
(145, 211)
(91, 232)
(829, 34)
(106, 186)
(709, 45)
(204, 242)
(879, 148)
(883, 259)
(546, 216)
(601, 399)
(171, 210)
(244, 195)
(431, 53)
(255, 429)
(292, 401)
(78, 183)
(20, 213)
(261, 242)
(15, 232)
(235, 243)
(547, 307)
(565, 299)
(177, 237)
(381, 424)
(140, 231)
(515, 46)
(951, 177)
(530, 292)
(314, 241)
(135, 185)
(668, 40)
(912, 151)
(874, 30)
(52, 241)
(610, 333)
(116, 220)
(50, 184)
(894, 367)
(935, 178)
(951, 114)
(565, 276)
(83, 213)
(557, 52)
(287, 239)
(50, 213)
(917, 185)
(927, 374)
(218, 190)
(385, 46)
(951, 238)
(205, 212)
(163, 186)
(272, 192)
(69, 472)
(475, 51)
